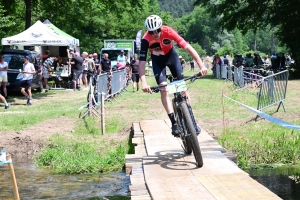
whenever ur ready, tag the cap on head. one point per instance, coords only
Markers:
(122, 51)
(153, 22)
(180, 56)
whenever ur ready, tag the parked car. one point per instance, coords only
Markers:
(15, 60)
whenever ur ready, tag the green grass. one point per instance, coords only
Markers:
(75, 157)
(87, 150)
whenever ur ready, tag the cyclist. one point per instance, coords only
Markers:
(158, 39)
(182, 62)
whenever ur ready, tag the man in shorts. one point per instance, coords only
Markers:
(134, 68)
(28, 71)
(158, 39)
(3, 75)
(77, 68)
(47, 64)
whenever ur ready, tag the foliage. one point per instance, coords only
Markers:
(90, 21)
(282, 17)
(177, 8)
(186, 55)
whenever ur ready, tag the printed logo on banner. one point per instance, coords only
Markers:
(111, 45)
(36, 34)
(15, 41)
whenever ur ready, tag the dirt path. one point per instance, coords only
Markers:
(22, 145)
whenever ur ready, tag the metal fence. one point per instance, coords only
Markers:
(273, 90)
(111, 84)
(102, 85)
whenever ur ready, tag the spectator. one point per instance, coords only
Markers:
(235, 61)
(85, 57)
(226, 61)
(3, 75)
(57, 63)
(121, 60)
(249, 60)
(192, 63)
(97, 62)
(278, 61)
(274, 62)
(134, 68)
(218, 60)
(288, 59)
(48, 63)
(91, 67)
(150, 66)
(105, 65)
(267, 61)
(77, 70)
(28, 71)
(45, 55)
(257, 60)
(182, 62)
(282, 61)
(6, 105)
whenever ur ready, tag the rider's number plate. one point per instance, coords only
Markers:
(177, 86)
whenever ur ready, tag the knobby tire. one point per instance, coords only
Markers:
(193, 136)
(186, 143)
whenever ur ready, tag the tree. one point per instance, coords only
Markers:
(250, 15)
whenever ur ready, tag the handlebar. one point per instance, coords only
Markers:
(156, 89)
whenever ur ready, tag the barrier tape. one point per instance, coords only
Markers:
(267, 117)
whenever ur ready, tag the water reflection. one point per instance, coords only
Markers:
(34, 183)
(282, 181)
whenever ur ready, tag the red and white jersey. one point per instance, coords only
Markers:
(162, 45)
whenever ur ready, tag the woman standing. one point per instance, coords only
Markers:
(134, 68)
(3, 75)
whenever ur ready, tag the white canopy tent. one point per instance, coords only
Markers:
(39, 35)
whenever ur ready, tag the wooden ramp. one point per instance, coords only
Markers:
(160, 169)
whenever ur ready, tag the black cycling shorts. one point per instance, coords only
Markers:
(135, 77)
(170, 60)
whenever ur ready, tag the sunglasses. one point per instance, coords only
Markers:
(156, 31)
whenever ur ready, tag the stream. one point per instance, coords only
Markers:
(285, 182)
(36, 183)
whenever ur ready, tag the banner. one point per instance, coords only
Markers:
(138, 40)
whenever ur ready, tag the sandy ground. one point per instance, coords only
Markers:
(22, 145)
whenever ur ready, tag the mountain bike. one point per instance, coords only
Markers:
(184, 116)
(92, 104)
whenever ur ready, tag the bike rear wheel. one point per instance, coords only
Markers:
(186, 143)
(192, 134)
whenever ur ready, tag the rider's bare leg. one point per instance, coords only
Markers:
(165, 99)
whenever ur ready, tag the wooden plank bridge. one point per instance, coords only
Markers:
(160, 169)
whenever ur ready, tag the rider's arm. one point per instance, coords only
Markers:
(197, 58)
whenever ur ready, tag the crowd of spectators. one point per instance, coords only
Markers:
(275, 63)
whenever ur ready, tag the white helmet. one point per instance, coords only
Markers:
(153, 22)
(180, 56)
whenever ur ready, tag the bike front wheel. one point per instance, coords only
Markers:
(191, 130)
(186, 143)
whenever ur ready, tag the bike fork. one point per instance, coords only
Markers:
(198, 130)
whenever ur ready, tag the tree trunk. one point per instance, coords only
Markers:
(28, 14)
(273, 44)
(254, 46)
